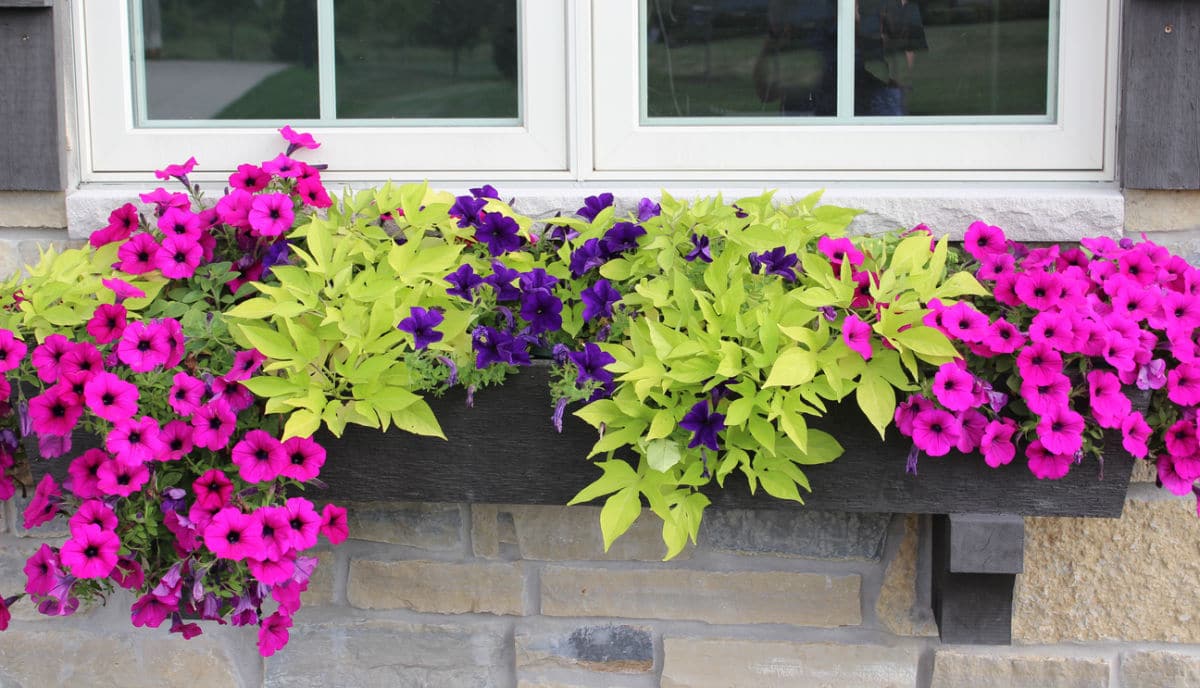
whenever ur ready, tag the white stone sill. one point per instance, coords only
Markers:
(1046, 211)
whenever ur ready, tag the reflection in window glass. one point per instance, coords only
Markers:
(739, 58)
(426, 59)
(214, 59)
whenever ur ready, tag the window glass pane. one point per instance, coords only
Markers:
(951, 57)
(219, 60)
(720, 58)
(426, 59)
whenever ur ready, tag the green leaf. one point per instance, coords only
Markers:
(618, 474)
(418, 419)
(822, 448)
(663, 455)
(269, 343)
(794, 366)
(271, 386)
(877, 398)
(779, 485)
(960, 284)
(302, 423)
(619, 512)
(926, 342)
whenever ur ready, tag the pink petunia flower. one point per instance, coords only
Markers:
(996, 444)
(93, 512)
(272, 571)
(233, 393)
(176, 439)
(1138, 266)
(150, 611)
(81, 363)
(1003, 337)
(276, 531)
(48, 354)
(1039, 363)
(91, 552)
(1170, 477)
(213, 424)
(313, 194)
(213, 489)
(1047, 465)
(179, 222)
(305, 457)
(839, 250)
(134, 442)
(334, 525)
(12, 350)
(144, 346)
(110, 397)
(107, 323)
(962, 322)
(282, 166)
(273, 634)
(259, 457)
(305, 522)
(984, 240)
(1061, 430)
(297, 139)
(185, 394)
(84, 474)
(1054, 329)
(935, 432)
(43, 571)
(233, 535)
(271, 214)
(1042, 398)
(1135, 434)
(122, 289)
(1039, 290)
(245, 364)
(178, 257)
(121, 223)
(906, 412)
(857, 335)
(55, 411)
(249, 178)
(234, 208)
(178, 171)
(117, 478)
(164, 200)
(954, 387)
(1108, 404)
(1183, 384)
(136, 256)
(44, 505)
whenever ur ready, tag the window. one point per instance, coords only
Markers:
(607, 89)
(447, 85)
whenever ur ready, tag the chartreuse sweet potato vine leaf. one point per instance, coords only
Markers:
(741, 323)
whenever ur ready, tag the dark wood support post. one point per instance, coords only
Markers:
(29, 148)
(976, 558)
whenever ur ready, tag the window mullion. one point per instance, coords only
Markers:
(326, 75)
(846, 21)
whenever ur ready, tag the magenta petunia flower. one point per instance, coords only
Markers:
(297, 139)
(1138, 266)
(1183, 384)
(149, 611)
(80, 364)
(1055, 329)
(1061, 430)
(176, 439)
(93, 512)
(164, 200)
(282, 166)
(305, 522)
(110, 397)
(839, 250)
(12, 350)
(107, 323)
(117, 478)
(245, 364)
(178, 257)
(287, 594)
(1135, 434)
(185, 394)
(91, 552)
(180, 222)
(907, 410)
(275, 527)
(47, 355)
(334, 525)
(972, 424)
(44, 505)
(43, 571)
(178, 171)
(305, 457)
(144, 346)
(233, 393)
(1170, 478)
(935, 432)
(55, 411)
(134, 442)
(954, 387)
(272, 571)
(984, 240)
(234, 209)
(233, 535)
(273, 634)
(84, 478)
(1108, 404)
(313, 194)
(271, 214)
(1045, 464)
(1003, 337)
(136, 256)
(121, 223)
(249, 178)
(1181, 439)
(259, 457)
(996, 444)
(857, 335)
(213, 489)
(213, 424)
(1039, 290)
(1041, 398)
(962, 322)
(122, 289)
(993, 266)
(1039, 363)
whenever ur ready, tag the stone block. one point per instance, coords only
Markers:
(1144, 472)
(742, 597)
(564, 533)
(607, 648)
(1156, 669)
(955, 669)
(721, 663)
(1097, 579)
(485, 531)
(436, 586)
(432, 527)
(69, 657)
(795, 533)
(366, 654)
(1161, 212)
(897, 607)
(320, 585)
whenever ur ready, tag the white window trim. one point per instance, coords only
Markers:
(1077, 146)
(113, 149)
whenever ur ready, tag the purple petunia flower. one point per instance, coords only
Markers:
(493, 346)
(587, 257)
(463, 282)
(501, 280)
(622, 237)
(598, 300)
(591, 362)
(467, 209)
(777, 261)
(420, 324)
(499, 232)
(592, 205)
(543, 311)
(537, 278)
(276, 254)
(485, 191)
(705, 425)
(648, 209)
(699, 250)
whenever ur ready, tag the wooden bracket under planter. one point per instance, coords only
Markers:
(505, 450)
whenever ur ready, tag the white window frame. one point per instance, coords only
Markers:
(1076, 145)
(114, 149)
